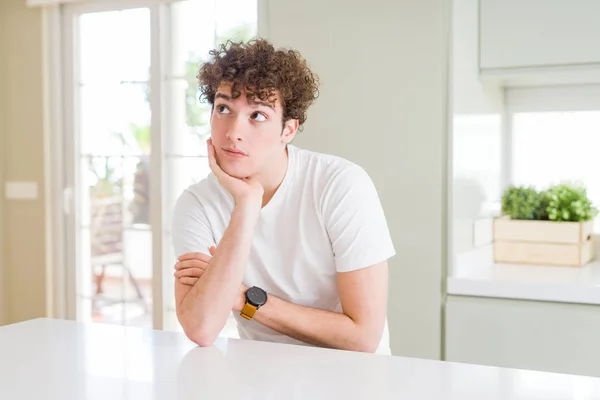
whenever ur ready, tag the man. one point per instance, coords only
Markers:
(294, 242)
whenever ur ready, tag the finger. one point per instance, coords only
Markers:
(193, 272)
(188, 281)
(191, 264)
(212, 250)
(194, 256)
(254, 183)
(212, 161)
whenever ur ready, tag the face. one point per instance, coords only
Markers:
(249, 137)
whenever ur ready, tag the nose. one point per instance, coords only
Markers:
(236, 130)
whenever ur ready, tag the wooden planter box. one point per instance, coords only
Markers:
(543, 242)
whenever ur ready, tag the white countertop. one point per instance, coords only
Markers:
(64, 360)
(474, 273)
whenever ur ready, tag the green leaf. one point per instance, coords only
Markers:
(522, 202)
(569, 202)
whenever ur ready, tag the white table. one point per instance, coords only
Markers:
(64, 360)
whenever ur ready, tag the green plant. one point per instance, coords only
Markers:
(562, 202)
(568, 202)
(522, 202)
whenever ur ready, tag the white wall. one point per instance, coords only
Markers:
(383, 104)
(478, 110)
(469, 96)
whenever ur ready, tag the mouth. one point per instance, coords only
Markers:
(234, 152)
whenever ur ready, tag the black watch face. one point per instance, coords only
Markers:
(256, 296)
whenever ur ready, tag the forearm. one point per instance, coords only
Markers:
(317, 327)
(205, 308)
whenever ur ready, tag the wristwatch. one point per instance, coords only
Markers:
(255, 298)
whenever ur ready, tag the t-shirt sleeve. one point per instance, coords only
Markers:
(355, 221)
(191, 228)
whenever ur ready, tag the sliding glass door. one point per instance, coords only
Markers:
(135, 139)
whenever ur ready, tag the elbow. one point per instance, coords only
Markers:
(197, 332)
(201, 337)
(366, 346)
(366, 342)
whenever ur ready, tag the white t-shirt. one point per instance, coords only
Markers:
(326, 217)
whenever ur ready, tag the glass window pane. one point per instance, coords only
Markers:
(189, 120)
(114, 119)
(84, 274)
(115, 265)
(117, 277)
(101, 178)
(199, 24)
(168, 270)
(183, 172)
(554, 147)
(236, 20)
(197, 116)
(137, 265)
(193, 35)
(114, 46)
(127, 178)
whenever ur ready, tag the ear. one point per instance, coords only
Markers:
(289, 130)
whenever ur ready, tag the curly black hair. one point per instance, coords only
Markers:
(260, 69)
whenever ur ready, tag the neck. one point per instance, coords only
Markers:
(272, 179)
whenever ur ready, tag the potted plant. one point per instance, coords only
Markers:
(548, 227)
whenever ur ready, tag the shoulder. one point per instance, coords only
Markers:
(191, 224)
(349, 209)
(331, 171)
(337, 183)
(200, 195)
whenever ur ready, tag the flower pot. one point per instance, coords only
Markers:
(543, 242)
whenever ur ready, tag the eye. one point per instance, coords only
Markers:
(222, 109)
(259, 117)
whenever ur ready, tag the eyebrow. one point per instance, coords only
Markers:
(223, 96)
(226, 97)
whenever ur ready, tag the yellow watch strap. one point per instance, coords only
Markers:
(248, 311)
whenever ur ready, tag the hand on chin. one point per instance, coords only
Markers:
(232, 169)
(234, 178)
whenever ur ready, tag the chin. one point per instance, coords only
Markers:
(237, 171)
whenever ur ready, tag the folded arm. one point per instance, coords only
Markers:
(363, 295)
(202, 309)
